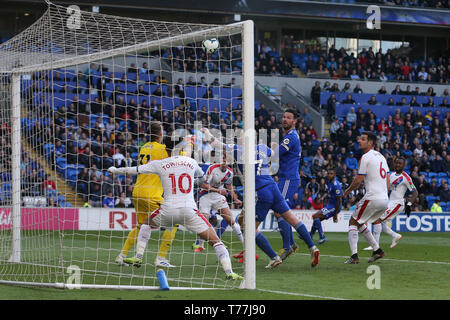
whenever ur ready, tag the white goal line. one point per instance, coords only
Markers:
(385, 259)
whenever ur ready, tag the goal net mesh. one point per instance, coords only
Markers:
(90, 85)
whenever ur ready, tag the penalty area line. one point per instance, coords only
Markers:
(299, 294)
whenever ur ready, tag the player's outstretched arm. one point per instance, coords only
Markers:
(132, 171)
(215, 143)
(149, 167)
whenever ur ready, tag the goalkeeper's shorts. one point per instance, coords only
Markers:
(144, 207)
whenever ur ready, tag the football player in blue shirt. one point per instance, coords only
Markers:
(334, 206)
(289, 153)
(268, 196)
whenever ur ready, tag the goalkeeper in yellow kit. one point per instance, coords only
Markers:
(147, 197)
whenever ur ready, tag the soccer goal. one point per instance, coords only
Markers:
(78, 93)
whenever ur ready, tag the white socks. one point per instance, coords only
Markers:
(223, 256)
(388, 230)
(142, 240)
(369, 237)
(353, 239)
(377, 231)
(377, 228)
(237, 230)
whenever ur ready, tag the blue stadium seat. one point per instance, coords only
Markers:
(69, 122)
(224, 92)
(190, 92)
(431, 199)
(308, 159)
(236, 92)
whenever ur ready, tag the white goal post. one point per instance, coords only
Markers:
(49, 94)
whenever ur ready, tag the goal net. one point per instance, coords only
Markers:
(79, 91)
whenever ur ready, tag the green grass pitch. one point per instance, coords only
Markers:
(416, 269)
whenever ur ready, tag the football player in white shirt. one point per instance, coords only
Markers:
(219, 178)
(374, 170)
(177, 176)
(400, 183)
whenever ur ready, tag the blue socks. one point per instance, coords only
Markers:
(313, 230)
(286, 233)
(318, 225)
(304, 234)
(223, 226)
(264, 245)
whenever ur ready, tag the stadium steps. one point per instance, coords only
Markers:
(61, 185)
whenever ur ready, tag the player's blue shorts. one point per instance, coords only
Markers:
(268, 198)
(288, 188)
(328, 211)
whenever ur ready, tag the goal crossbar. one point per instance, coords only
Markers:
(52, 60)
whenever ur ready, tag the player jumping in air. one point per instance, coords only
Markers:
(334, 206)
(268, 197)
(400, 183)
(147, 196)
(177, 176)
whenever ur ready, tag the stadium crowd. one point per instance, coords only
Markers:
(101, 144)
(421, 137)
(370, 65)
(338, 64)
(440, 4)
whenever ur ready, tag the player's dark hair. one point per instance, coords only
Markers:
(155, 129)
(370, 136)
(170, 144)
(401, 158)
(293, 111)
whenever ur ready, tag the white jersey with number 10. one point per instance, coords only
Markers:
(177, 176)
(374, 167)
